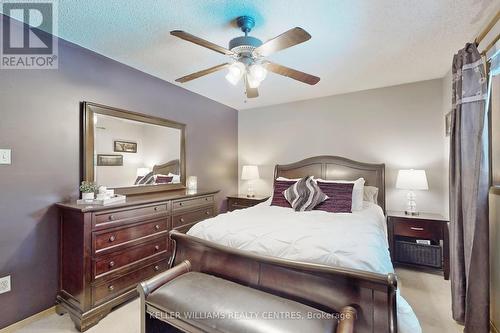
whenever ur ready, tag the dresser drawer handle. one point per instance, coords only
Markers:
(207, 212)
(156, 208)
(157, 227)
(111, 217)
(157, 247)
(417, 228)
(156, 268)
(206, 199)
(235, 203)
(112, 239)
(181, 219)
(111, 288)
(180, 203)
(111, 264)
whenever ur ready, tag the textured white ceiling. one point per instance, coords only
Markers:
(355, 45)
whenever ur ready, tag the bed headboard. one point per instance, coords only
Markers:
(164, 169)
(336, 168)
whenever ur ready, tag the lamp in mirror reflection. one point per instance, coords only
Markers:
(141, 172)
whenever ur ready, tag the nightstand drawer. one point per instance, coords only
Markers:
(239, 202)
(418, 229)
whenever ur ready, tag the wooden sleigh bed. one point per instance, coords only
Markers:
(329, 289)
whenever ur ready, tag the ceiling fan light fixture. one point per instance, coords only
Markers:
(252, 81)
(258, 72)
(236, 71)
(248, 53)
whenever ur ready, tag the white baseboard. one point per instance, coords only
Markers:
(20, 324)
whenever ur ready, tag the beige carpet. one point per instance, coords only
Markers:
(428, 294)
(430, 297)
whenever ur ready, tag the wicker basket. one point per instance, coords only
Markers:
(420, 254)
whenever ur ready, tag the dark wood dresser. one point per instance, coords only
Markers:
(105, 251)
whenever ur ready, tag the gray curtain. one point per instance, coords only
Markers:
(469, 185)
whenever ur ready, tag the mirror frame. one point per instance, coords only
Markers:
(87, 139)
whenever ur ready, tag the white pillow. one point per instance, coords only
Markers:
(175, 178)
(357, 191)
(370, 194)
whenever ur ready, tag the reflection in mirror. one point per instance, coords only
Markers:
(132, 153)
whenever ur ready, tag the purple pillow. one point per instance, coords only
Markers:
(163, 179)
(339, 197)
(279, 187)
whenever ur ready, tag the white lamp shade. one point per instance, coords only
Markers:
(141, 172)
(412, 180)
(236, 71)
(250, 172)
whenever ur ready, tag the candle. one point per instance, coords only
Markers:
(192, 183)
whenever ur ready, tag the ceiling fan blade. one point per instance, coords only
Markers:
(199, 41)
(285, 40)
(251, 92)
(202, 73)
(291, 73)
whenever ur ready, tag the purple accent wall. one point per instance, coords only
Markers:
(39, 121)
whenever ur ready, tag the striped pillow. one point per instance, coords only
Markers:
(339, 197)
(145, 180)
(304, 195)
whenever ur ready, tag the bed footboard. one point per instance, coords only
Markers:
(326, 288)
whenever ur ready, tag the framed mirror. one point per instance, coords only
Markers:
(130, 152)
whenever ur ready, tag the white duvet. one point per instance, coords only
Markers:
(357, 240)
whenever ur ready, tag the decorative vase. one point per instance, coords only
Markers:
(88, 196)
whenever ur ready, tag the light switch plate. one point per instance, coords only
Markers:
(5, 156)
(5, 284)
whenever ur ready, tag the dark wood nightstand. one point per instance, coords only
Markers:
(404, 230)
(240, 201)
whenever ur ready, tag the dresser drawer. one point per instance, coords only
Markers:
(191, 217)
(112, 218)
(418, 229)
(192, 203)
(130, 256)
(112, 288)
(108, 239)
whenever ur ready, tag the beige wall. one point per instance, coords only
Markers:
(401, 126)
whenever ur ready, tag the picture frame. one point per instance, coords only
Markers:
(109, 160)
(121, 146)
(447, 124)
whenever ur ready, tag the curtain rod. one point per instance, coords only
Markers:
(490, 45)
(490, 26)
(483, 33)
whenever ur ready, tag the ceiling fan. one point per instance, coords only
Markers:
(248, 55)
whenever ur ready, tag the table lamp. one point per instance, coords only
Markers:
(141, 172)
(412, 180)
(250, 173)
